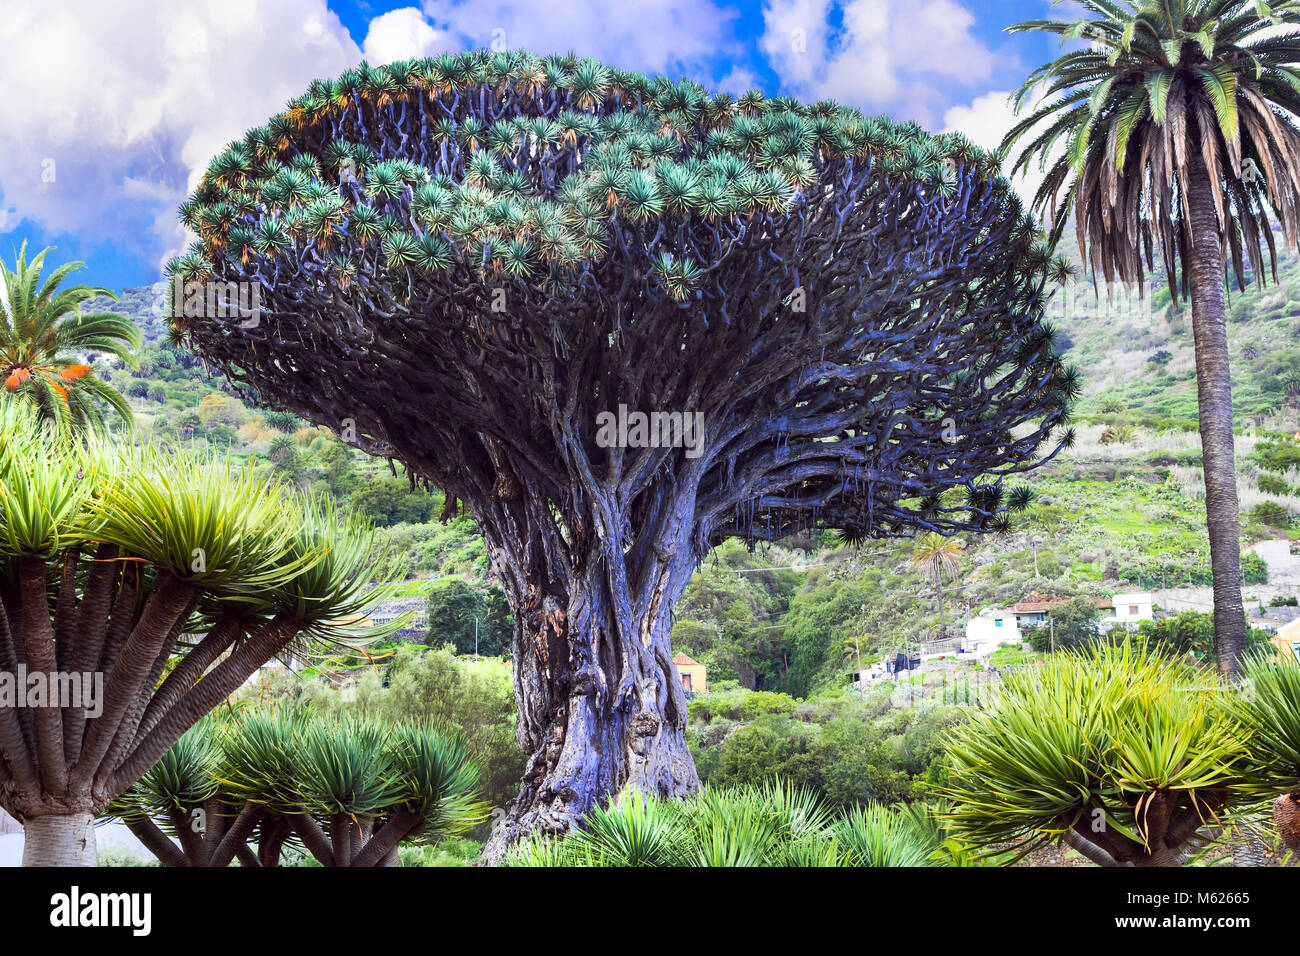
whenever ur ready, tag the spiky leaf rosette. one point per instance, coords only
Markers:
(467, 259)
(1121, 751)
(168, 578)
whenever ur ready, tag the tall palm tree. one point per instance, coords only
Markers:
(1175, 129)
(45, 338)
(940, 557)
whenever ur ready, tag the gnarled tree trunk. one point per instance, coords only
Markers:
(600, 704)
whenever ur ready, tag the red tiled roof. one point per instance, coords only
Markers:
(1037, 607)
(679, 659)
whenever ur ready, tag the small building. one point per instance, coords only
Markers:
(1274, 618)
(1125, 608)
(869, 674)
(1276, 554)
(414, 609)
(990, 629)
(692, 674)
(1287, 639)
(1129, 608)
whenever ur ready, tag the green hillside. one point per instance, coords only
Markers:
(1122, 509)
(1136, 352)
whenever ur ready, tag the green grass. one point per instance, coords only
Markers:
(1009, 655)
(418, 587)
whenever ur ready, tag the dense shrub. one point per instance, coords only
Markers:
(775, 825)
(389, 500)
(1273, 485)
(1254, 569)
(1156, 575)
(1072, 625)
(848, 751)
(474, 619)
(763, 702)
(1277, 455)
(1271, 513)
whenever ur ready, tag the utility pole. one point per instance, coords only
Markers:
(1051, 631)
(475, 638)
(862, 678)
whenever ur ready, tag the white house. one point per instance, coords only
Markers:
(990, 629)
(994, 627)
(1128, 609)
(1277, 555)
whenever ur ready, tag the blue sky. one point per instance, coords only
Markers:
(111, 110)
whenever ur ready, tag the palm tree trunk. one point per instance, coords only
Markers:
(59, 839)
(943, 624)
(1214, 397)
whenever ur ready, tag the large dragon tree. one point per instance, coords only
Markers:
(476, 263)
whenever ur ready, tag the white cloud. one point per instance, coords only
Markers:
(738, 82)
(985, 121)
(130, 100)
(878, 55)
(404, 34)
(653, 36)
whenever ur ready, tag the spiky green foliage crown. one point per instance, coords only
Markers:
(383, 215)
(638, 147)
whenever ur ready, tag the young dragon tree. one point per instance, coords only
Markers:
(1117, 752)
(485, 265)
(349, 791)
(1130, 755)
(138, 591)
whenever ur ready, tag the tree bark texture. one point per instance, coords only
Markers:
(600, 703)
(1214, 401)
(59, 840)
(59, 764)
